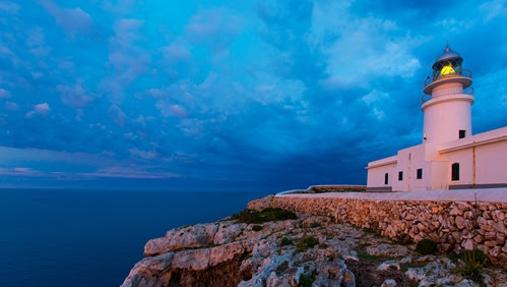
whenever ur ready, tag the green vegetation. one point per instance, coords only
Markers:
(306, 243)
(306, 280)
(257, 227)
(426, 247)
(286, 241)
(472, 265)
(265, 215)
(336, 188)
(363, 255)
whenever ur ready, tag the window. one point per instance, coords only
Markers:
(419, 173)
(455, 171)
(400, 175)
(462, 133)
(386, 179)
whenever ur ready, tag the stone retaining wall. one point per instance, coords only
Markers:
(454, 225)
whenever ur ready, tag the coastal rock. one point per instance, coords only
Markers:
(454, 225)
(199, 235)
(389, 283)
(388, 250)
(334, 242)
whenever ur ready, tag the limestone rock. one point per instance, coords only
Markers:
(389, 283)
(228, 253)
(388, 250)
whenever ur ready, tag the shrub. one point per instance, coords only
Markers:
(306, 280)
(315, 225)
(306, 242)
(426, 246)
(286, 241)
(257, 228)
(473, 263)
(265, 215)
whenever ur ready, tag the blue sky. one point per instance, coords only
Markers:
(238, 95)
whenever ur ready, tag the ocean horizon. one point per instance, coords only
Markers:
(82, 238)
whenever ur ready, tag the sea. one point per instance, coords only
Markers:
(92, 238)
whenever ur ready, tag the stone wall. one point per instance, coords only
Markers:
(454, 225)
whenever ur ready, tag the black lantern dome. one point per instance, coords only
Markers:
(447, 68)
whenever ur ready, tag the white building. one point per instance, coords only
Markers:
(450, 156)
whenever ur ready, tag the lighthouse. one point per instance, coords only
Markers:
(449, 156)
(448, 99)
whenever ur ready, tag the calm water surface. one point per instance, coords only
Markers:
(92, 238)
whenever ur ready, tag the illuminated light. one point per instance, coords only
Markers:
(447, 70)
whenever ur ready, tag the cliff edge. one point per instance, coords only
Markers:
(275, 247)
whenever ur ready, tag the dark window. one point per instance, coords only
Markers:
(455, 171)
(386, 179)
(419, 173)
(400, 175)
(462, 134)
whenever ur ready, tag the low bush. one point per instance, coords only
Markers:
(265, 215)
(306, 280)
(472, 264)
(306, 243)
(426, 247)
(257, 227)
(286, 241)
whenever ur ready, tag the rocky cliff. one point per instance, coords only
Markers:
(262, 250)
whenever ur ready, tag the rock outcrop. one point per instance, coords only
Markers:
(453, 225)
(308, 251)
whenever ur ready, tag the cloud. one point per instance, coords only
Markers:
(216, 28)
(41, 109)
(171, 109)
(4, 94)
(143, 153)
(36, 43)
(285, 85)
(74, 96)
(129, 173)
(9, 7)
(11, 106)
(176, 53)
(360, 49)
(126, 57)
(73, 20)
(20, 172)
(493, 9)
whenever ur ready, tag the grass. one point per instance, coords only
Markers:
(306, 280)
(306, 243)
(265, 215)
(363, 255)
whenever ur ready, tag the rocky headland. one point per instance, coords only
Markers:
(267, 246)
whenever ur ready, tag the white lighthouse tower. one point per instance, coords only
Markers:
(449, 157)
(448, 100)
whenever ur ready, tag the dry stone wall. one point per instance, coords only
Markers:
(454, 225)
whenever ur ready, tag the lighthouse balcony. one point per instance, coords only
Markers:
(448, 92)
(464, 76)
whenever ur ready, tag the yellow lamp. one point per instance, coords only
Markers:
(447, 70)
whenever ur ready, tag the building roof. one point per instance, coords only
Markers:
(381, 162)
(476, 140)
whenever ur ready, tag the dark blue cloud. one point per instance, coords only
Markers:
(255, 94)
